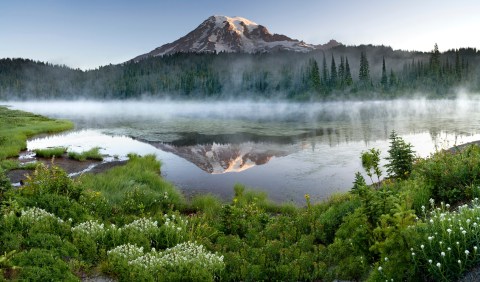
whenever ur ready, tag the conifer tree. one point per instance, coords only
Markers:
(384, 80)
(341, 72)
(458, 66)
(333, 74)
(314, 75)
(393, 79)
(364, 72)
(324, 71)
(348, 74)
(435, 62)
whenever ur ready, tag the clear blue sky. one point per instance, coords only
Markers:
(90, 33)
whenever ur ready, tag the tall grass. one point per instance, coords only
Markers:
(136, 186)
(17, 126)
(50, 152)
(92, 154)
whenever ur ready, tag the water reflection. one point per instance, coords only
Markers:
(286, 149)
(224, 158)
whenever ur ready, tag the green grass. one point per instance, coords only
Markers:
(50, 152)
(135, 187)
(17, 126)
(92, 154)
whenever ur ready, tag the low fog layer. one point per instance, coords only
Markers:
(246, 110)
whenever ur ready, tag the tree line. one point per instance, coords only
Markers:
(343, 72)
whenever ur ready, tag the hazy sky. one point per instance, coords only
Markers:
(90, 33)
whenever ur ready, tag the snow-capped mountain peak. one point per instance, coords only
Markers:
(238, 24)
(230, 34)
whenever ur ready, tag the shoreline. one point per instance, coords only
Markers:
(73, 168)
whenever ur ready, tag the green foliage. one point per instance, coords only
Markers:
(450, 175)
(92, 154)
(5, 185)
(135, 188)
(51, 180)
(42, 265)
(330, 220)
(210, 205)
(50, 152)
(371, 163)
(279, 74)
(445, 251)
(401, 157)
(364, 72)
(358, 183)
(17, 126)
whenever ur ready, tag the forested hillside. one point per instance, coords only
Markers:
(343, 72)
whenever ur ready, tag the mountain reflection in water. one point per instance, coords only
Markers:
(222, 158)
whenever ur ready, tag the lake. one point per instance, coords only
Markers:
(285, 149)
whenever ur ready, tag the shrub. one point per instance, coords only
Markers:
(51, 242)
(371, 163)
(450, 174)
(51, 180)
(449, 245)
(42, 265)
(5, 185)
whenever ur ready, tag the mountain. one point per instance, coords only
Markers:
(237, 34)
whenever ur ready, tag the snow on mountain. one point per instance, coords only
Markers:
(232, 34)
(224, 158)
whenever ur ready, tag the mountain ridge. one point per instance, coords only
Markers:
(233, 34)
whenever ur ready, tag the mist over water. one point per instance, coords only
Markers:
(286, 149)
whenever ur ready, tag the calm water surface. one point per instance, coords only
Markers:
(285, 149)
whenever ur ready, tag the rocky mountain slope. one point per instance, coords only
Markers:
(233, 34)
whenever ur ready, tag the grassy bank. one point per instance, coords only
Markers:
(16, 126)
(128, 223)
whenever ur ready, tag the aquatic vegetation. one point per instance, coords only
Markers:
(92, 154)
(50, 152)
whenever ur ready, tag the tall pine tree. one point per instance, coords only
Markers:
(325, 76)
(364, 72)
(341, 72)
(333, 74)
(348, 74)
(384, 80)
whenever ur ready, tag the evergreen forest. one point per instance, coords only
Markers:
(343, 72)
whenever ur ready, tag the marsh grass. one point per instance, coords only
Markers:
(92, 154)
(50, 152)
(17, 126)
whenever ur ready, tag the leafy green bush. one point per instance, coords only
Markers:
(52, 242)
(42, 265)
(451, 174)
(50, 152)
(51, 180)
(5, 185)
(330, 220)
(371, 163)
